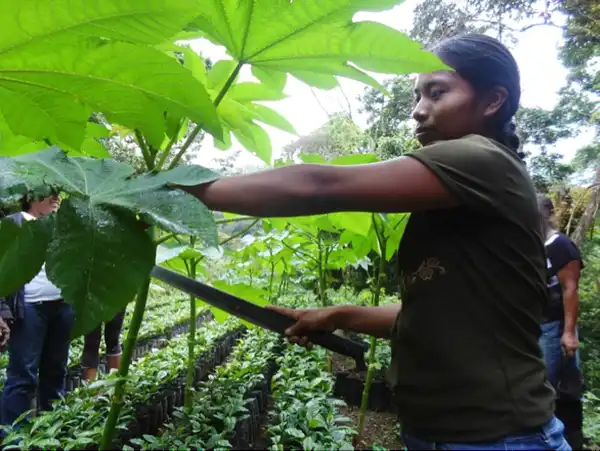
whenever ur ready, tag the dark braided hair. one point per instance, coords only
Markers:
(486, 63)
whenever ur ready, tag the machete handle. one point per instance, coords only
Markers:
(324, 338)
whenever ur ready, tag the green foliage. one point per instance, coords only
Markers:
(220, 403)
(99, 255)
(339, 136)
(312, 41)
(59, 69)
(77, 420)
(306, 416)
(106, 78)
(589, 290)
(26, 243)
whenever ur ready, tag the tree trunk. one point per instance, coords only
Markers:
(589, 215)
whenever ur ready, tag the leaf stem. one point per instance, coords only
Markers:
(216, 103)
(191, 367)
(240, 233)
(185, 146)
(167, 150)
(373, 344)
(165, 238)
(119, 393)
(241, 218)
(145, 152)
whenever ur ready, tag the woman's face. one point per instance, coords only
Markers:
(48, 205)
(446, 107)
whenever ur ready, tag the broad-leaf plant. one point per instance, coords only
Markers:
(65, 63)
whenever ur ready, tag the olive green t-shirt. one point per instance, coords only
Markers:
(467, 366)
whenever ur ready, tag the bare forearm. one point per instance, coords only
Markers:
(374, 321)
(571, 307)
(288, 191)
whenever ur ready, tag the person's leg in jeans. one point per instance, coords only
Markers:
(55, 355)
(569, 411)
(550, 436)
(25, 349)
(552, 350)
(90, 356)
(569, 405)
(112, 339)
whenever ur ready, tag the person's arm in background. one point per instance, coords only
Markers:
(568, 277)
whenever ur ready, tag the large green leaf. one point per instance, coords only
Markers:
(22, 251)
(99, 258)
(240, 113)
(109, 183)
(39, 26)
(307, 36)
(132, 85)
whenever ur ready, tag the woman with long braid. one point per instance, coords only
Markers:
(467, 368)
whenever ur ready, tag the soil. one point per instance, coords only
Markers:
(381, 429)
(340, 363)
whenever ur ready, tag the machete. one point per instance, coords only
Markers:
(265, 318)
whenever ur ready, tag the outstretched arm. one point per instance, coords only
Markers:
(400, 185)
(375, 321)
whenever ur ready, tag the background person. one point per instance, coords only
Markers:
(40, 336)
(91, 348)
(467, 369)
(559, 340)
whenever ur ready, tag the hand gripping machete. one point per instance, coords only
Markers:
(267, 319)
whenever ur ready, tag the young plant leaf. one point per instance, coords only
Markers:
(272, 79)
(308, 36)
(22, 251)
(166, 253)
(256, 140)
(271, 117)
(250, 92)
(98, 257)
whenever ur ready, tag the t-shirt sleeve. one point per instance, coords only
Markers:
(477, 172)
(563, 251)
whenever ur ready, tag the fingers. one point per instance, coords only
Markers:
(301, 341)
(294, 313)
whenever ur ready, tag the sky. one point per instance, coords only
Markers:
(542, 76)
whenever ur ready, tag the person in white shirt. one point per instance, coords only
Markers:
(40, 334)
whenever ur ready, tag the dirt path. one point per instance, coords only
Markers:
(381, 429)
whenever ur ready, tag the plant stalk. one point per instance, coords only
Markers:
(366, 390)
(144, 148)
(373, 344)
(198, 128)
(238, 234)
(165, 153)
(241, 218)
(191, 368)
(119, 392)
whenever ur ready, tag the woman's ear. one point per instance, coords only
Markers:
(494, 100)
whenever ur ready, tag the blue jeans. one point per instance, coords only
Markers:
(550, 437)
(38, 343)
(552, 350)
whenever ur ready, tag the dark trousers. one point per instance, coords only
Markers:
(569, 409)
(38, 344)
(112, 339)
